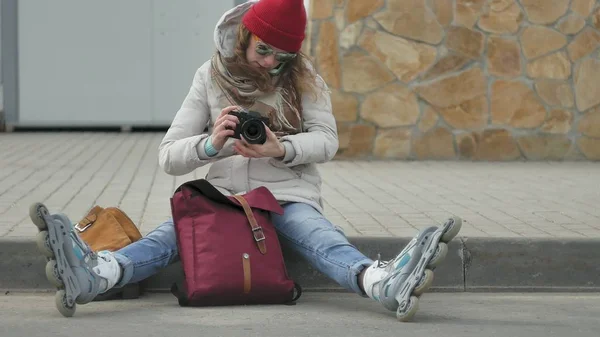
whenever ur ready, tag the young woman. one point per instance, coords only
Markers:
(257, 67)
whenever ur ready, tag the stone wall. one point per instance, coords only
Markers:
(461, 79)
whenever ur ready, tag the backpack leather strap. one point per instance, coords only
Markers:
(257, 231)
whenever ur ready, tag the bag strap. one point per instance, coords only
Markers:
(257, 231)
(89, 220)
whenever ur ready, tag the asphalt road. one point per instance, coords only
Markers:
(321, 314)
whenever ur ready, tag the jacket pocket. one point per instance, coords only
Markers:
(310, 178)
(276, 171)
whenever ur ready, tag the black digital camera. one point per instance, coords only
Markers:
(251, 126)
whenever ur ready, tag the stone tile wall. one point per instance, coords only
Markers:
(461, 79)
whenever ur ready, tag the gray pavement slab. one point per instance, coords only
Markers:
(72, 171)
(318, 314)
(528, 226)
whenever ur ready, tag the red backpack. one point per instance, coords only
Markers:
(229, 249)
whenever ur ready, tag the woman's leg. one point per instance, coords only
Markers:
(148, 255)
(311, 235)
(396, 284)
(80, 274)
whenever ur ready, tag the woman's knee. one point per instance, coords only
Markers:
(165, 234)
(304, 225)
(304, 213)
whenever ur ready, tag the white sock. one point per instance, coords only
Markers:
(372, 276)
(108, 269)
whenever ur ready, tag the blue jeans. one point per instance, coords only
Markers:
(301, 227)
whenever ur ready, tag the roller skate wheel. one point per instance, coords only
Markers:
(52, 273)
(438, 257)
(42, 240)
(62, 304)
(407, 309)
(453, 230)
(424, 283)
(36, 213)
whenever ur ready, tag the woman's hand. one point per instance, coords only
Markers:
(271, 148)
(223, 128)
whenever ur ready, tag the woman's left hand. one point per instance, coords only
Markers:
(271, 148)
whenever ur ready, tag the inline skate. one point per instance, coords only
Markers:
(78, 273)
(399, 283)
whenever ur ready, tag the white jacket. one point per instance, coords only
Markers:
(293, 179)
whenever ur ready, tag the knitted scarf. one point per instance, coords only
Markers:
(284, 118)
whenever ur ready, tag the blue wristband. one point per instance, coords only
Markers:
(209, 149)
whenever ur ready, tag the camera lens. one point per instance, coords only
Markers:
(254, 132)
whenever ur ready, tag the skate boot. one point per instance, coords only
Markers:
(78, 273)
(399, 283)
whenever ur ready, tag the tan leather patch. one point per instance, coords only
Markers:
(247, 273)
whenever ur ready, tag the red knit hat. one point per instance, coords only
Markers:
(280, 23)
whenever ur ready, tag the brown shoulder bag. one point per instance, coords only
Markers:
(107, 229)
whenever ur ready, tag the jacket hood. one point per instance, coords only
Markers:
(226, 28)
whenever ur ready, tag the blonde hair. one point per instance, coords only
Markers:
(297, 78)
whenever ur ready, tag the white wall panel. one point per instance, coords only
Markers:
(110, 62)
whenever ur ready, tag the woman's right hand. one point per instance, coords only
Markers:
(223, 128)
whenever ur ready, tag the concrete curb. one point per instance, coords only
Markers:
(472, 265)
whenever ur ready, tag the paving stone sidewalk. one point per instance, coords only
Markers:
(71, 172)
